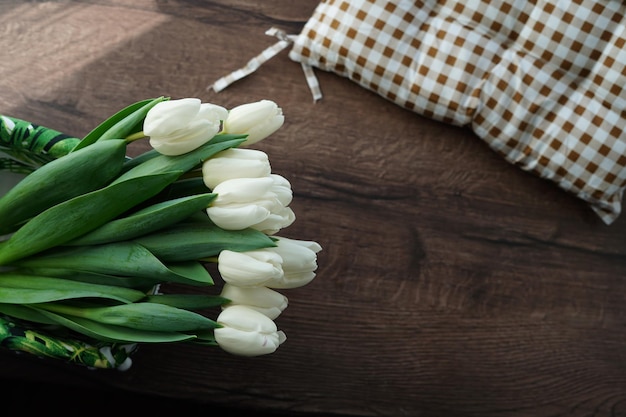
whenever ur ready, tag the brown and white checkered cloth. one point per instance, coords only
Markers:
(543, 83)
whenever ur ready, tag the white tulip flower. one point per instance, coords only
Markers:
(176, 127)
(262, 299)
(250, 268)
(278, 219)
(235, 163)
(258, 203)
(246, 332)
(258, 120)
(299, 262)
(291, 264)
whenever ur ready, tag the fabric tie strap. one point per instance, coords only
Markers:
(284, 41)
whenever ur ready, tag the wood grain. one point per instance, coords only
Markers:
(450, 284)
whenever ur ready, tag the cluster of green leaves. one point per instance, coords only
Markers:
(88, 237)
(25, 146)
(38, 342)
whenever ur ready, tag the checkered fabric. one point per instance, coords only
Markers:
(542, 82)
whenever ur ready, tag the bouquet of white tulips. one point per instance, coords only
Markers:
(89, 235)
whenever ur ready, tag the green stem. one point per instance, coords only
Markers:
(196, 173)
(210, 259)
(135, 136)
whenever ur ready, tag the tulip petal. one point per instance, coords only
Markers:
(186, 140)
(212, 112)
(264, 300)
(263, 130)
(249, 268)
(247, 332)
(290, 281)
(299, 262)
(242, 190)
(235, 163)
(297, 256)
(237, 218)
(276, 221)
(258, 120)
(168, 116)
(245, 116)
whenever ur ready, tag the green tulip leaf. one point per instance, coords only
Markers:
(26, 289)
(120, 259)
(184, 162)
(22, 312)
(183, 187)
(140, 159)
(152, 153)
(190, 272)
(226, 137)
(33, 296)
(112, 333)
(73, 218)
(59, 180)
(199, 240)
(140, 316)
(142, 283)
(149, 219)
(188, 301)
(125, 122)
(205, 337)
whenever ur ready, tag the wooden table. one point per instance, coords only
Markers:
(451, 283)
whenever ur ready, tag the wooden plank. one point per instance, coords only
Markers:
(451, 283)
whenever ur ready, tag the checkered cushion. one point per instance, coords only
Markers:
(541, 82)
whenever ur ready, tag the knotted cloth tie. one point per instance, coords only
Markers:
(284, 41)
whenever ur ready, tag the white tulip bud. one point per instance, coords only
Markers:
(258, 120)
(264, 300)
(291, 264)
(247, 332)
(176, 127)
(235, 163)
(299, 262)
(249, 269)
(259, 203)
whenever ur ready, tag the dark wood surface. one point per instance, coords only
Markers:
(450, 282)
